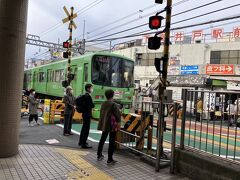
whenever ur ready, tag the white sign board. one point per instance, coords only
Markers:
(209, 101)
(235, 86)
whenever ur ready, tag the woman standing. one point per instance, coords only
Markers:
(33, 105)
(110, 116)
(68, 100)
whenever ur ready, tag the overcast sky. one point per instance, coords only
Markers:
(44, 18)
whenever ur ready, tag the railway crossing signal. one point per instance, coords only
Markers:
(155, 22)
(159, 1)
(68, 44)
(154, 43)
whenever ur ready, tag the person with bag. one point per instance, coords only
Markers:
(84, 105)
(110, 118)
(68, 100)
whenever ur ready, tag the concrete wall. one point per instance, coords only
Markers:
(203, 167)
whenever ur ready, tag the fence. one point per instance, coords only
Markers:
(210, 123)
(145, 133)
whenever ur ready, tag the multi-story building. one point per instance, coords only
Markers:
(208, 64)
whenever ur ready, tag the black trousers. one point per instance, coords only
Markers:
(67, 123)
(33, 116)
(85, 130)
(112, 136)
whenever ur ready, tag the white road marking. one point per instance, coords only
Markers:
(52, 141)
(89, 138)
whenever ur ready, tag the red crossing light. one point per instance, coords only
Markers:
(155, 22)
(66, 44)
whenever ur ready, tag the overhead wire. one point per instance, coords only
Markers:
(134, 20)
(177, 28)
(223, 24)
(187, 19)
(129, 29)
(122, 18)
(81, 11)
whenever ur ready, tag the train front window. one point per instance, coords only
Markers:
(112, 71)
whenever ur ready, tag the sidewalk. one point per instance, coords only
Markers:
(65, 160)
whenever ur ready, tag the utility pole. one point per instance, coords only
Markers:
(84, 27)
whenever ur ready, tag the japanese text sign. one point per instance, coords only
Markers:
(220, 69)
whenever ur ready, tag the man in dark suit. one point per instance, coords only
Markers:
(87, 113)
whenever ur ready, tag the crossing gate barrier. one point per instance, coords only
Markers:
(171, 110)
(57, 111)
(134, 124)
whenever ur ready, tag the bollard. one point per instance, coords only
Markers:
(46, 112)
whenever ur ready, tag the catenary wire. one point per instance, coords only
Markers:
(129, 29)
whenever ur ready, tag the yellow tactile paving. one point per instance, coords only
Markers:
(84, 170)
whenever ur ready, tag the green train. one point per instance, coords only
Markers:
(103, 70)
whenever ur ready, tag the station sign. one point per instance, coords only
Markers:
(189, 70)
(220, 69)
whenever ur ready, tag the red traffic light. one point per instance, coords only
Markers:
(66, 44)
(155, 22)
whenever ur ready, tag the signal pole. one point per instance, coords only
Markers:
(70, 46)
(161, 65)
(163, 82)
(70, 17)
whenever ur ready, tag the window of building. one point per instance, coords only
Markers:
(41, 76)
(138, 59)
(137, 81)
(151, 81)
(225, 57)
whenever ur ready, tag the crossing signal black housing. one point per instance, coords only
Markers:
(158, 64)
(155, 22)
(154, 43)
(159, 1)
(66, 44)
(66, 54)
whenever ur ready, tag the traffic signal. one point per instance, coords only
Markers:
(158, 63)
(155, 22)
(154, 42)
(159, 1)
(66, 54)
(65, 44)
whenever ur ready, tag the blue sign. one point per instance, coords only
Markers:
(189, 70)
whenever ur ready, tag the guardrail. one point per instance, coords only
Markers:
(211, 122)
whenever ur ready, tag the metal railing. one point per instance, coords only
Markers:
(211, 122)
(145, 133)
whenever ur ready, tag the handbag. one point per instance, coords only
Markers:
(114, 123)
